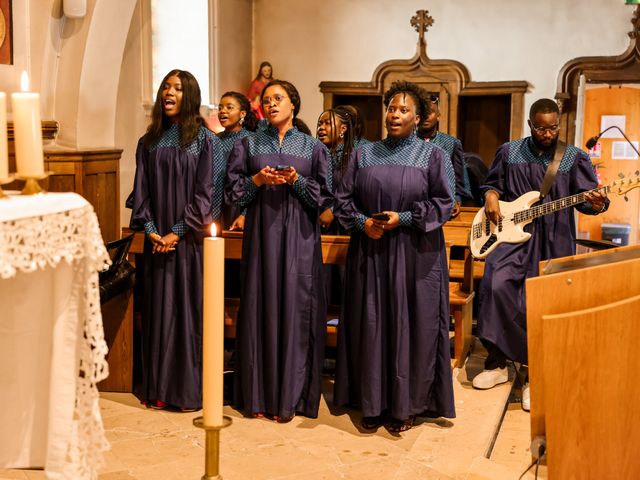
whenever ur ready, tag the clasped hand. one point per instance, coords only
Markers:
(375, 229)
(270, 176)
(164, 244)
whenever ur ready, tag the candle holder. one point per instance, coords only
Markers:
(31, 186)
(212, 447)
(4, 181)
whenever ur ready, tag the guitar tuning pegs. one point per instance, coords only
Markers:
(620, 175)
(626, 199)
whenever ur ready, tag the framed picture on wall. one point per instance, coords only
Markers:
(6, 33)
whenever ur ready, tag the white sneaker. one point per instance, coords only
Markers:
(526, 398)
(490, 378)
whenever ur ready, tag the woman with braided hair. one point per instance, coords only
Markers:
(336, 130)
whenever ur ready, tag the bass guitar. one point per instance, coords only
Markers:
(486, 236)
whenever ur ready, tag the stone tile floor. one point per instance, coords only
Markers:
(161, 445)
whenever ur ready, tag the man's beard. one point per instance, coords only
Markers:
(545, 148)
(427, 132)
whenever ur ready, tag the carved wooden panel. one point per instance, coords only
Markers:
(449, 79)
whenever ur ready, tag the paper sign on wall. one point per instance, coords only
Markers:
(623, 151)
(607, 121)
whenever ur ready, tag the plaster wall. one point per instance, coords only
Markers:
(309, 42)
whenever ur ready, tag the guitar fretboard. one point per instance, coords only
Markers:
(550, 207)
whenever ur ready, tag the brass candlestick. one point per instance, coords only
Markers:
(31, 186)
(4, 181)
(212, 447)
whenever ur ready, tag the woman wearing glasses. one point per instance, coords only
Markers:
(393, 341)
(278, 175)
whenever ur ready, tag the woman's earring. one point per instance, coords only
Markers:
(241, 120)
(341, 134)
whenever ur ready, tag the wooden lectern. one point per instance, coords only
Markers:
(583, 317)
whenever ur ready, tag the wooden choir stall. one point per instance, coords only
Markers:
(583, 315)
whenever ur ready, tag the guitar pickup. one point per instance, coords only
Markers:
(490, 241)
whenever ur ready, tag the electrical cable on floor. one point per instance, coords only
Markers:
(536, 461)
(518, 376)
(539, 454)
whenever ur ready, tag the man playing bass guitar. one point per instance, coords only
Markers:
(519, 167)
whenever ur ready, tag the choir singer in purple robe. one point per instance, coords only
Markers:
(279, 175)
(393, 340)
(177, 193)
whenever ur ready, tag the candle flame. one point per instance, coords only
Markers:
(24, 81)
(213, 230)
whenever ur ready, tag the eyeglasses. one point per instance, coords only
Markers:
(542, 130)
(276, 98)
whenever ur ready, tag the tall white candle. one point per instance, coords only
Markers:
(28, 131)
(4, 157)
(213, 330)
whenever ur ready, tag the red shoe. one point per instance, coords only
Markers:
(156, 404)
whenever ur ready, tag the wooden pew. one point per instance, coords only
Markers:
(334, 251)
(456, 230)
(461, 291)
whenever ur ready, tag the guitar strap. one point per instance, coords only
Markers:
(552, 169)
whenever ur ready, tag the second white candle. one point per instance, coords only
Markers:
(27, 129)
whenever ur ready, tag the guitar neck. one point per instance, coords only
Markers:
(556, 205)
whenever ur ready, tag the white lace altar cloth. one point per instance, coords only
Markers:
(52, 347)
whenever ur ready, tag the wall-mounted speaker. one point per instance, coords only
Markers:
(74, 8)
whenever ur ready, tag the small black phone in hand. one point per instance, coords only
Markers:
(283, 168)
(381, 216)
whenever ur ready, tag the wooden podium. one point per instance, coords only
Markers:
(583, 317)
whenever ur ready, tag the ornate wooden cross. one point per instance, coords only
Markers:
(421, 21)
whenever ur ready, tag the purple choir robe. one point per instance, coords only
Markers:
(393, 337)
(173, 190)
(519, 168)
(281, 323)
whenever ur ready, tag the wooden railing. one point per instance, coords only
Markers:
(463, 272)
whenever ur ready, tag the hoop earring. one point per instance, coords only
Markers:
(341, 135)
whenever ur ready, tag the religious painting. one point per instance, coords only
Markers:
(6, 33)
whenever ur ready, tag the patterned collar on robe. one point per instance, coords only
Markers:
(526, 151)
(227, 139)
(410, 151)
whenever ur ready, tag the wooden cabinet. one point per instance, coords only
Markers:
(95, 175)
(92, 173)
